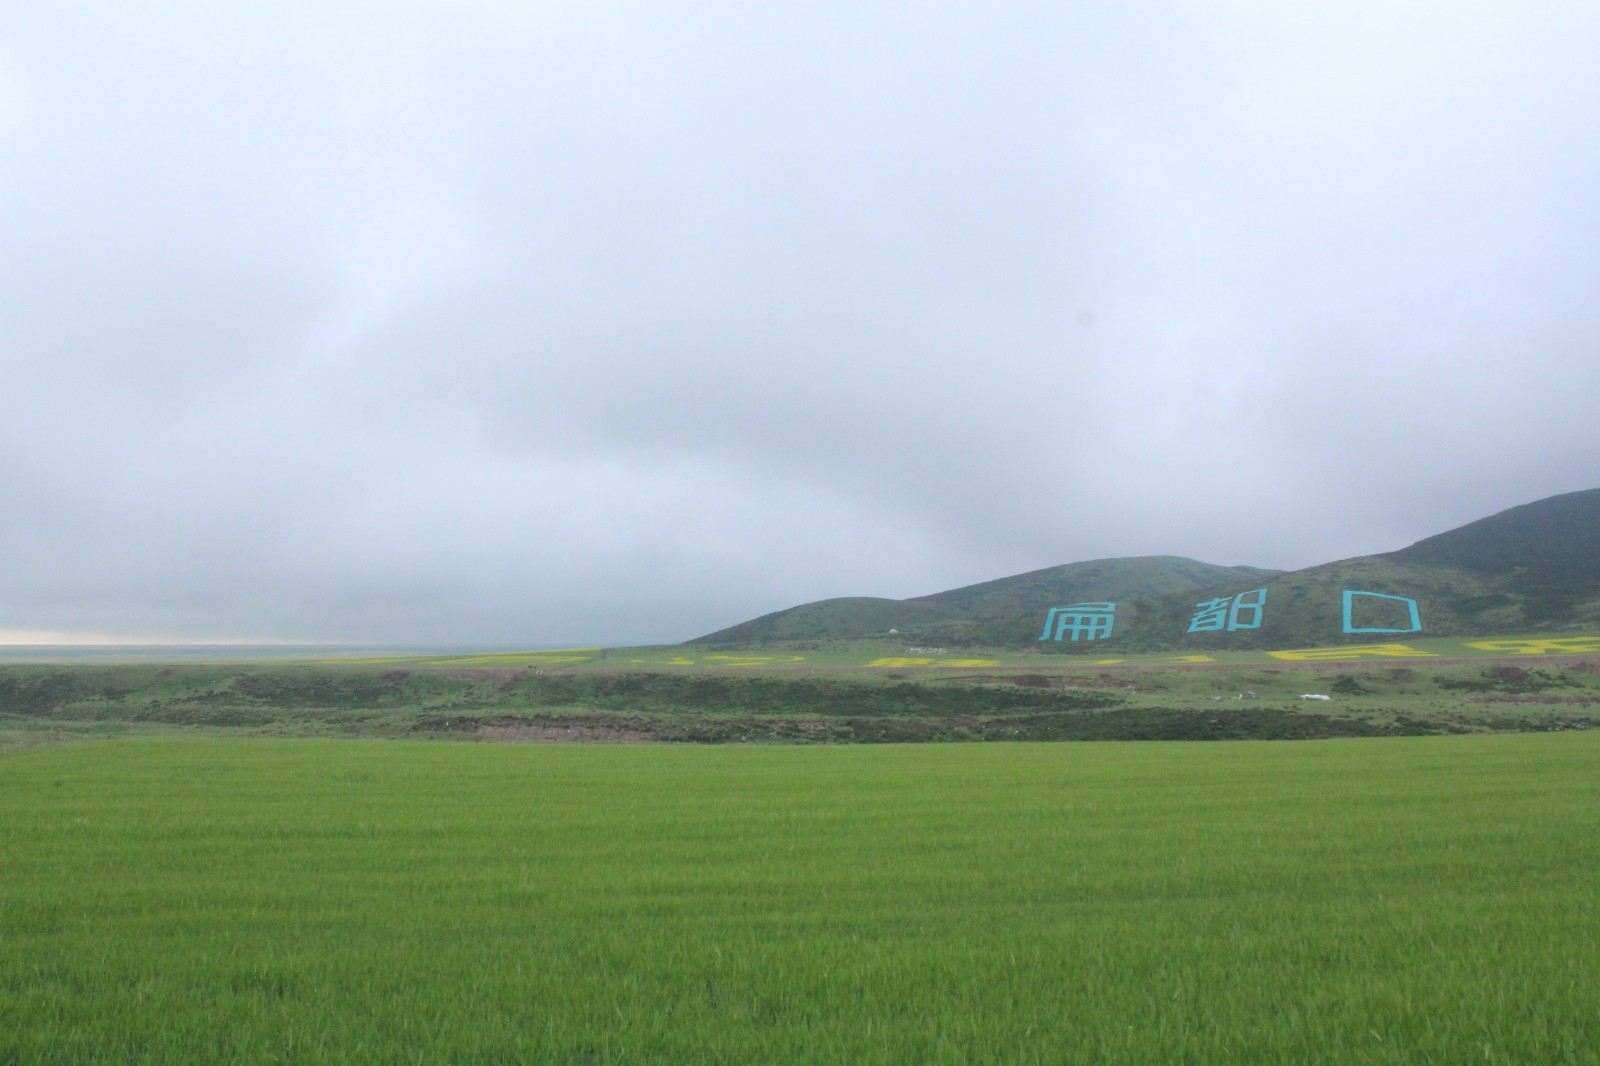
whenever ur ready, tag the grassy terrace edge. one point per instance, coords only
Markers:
(838, 694)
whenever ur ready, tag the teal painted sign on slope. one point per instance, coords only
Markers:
(1349, 613)
(1080, 621)
(1229, 613)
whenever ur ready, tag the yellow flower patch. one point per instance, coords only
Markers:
(1553, 646)
(1351, 651)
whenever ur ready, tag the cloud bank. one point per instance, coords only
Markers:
(479, 323)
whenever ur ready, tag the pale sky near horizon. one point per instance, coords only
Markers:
(477, 322)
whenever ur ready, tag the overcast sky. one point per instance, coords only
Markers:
(527, 323)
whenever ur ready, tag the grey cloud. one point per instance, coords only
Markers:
(497, 323)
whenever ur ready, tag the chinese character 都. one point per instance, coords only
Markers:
(1229, 612)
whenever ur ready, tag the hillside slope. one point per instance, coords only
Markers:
(1001, 601)
(1542, 558)
(840, 618)
(1139, 577)
(1533, 568)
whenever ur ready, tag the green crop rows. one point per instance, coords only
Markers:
(1402, 900)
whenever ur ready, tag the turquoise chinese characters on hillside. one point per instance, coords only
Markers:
(1387, 608)
(1229, 613)
(1080, 621)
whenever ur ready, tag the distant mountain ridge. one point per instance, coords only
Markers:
(1531, 568)
(998, 601)
(1547, 553)
(1098, 579)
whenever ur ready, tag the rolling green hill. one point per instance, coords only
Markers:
(957, 612)
(841, 618)
(1533, 568)
(1101, 579)
(1540, 560)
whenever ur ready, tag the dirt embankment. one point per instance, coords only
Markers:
(560, 732)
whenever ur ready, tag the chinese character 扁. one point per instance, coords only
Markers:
(1079, 621)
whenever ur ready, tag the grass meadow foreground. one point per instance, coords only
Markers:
(1402, 900)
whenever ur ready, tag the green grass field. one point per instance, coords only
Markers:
(1404, 900)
